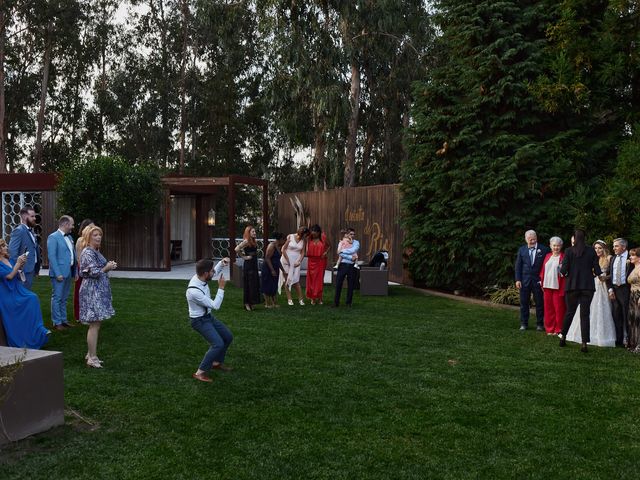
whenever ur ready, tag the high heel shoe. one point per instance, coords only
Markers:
(94, 363)
(95, 359)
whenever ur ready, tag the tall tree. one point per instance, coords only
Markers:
(3, 33)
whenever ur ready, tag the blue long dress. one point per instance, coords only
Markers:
(269, 282)
(20, 310)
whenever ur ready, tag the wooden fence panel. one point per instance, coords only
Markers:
(374, 212)
(136, 243)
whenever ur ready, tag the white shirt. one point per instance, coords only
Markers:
(551, 273)
(199, 295)
(69, 243)
(33, 239)
(620, 262)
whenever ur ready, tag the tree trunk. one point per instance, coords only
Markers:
(405, 128)
(184, 7)
(366, 150)
(352, 139)
(46, 63)
(320, 147)
(3, 142)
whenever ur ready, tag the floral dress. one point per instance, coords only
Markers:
(95, 291)
(634, 311)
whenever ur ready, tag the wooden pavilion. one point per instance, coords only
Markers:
(138, 242)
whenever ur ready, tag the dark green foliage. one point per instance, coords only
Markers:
(108, 188)
(484, 164)
(622, 198)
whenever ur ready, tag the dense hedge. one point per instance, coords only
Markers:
(108, 189)
(488, 160)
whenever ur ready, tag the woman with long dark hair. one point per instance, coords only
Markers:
(248, 248)
(580, 265)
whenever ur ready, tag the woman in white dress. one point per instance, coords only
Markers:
(293, 251)
(603, 331)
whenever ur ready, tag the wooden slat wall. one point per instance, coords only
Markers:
(136, 242)
(48, 221)
(374, 212)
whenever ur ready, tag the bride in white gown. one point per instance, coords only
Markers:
(603, 330)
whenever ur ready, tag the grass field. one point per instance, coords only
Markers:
(404, 387)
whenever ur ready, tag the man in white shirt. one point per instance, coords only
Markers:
(213, 330)
(619, 289)
(62, 269)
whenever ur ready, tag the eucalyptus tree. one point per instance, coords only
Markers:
(54, 24)
(305, 83)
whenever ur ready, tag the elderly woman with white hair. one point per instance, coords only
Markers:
(553, 288)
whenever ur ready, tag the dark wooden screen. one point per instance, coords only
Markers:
(374, 212)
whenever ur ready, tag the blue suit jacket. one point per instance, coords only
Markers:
(21, 242)
(526, 272)
(60, 257)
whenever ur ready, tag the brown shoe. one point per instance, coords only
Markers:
(60, 328)
(202, 377)
(222, 367)
(68, 325)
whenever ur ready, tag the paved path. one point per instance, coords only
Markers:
(177, 272)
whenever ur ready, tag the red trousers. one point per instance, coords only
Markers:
(554, 310)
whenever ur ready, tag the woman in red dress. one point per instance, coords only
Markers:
(317, 248)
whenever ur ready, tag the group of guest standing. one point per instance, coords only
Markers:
(583, 295)
(20, 262)
(282, 267)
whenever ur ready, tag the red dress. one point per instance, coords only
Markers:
(316, 265)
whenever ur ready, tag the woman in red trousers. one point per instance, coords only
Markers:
(553, 288)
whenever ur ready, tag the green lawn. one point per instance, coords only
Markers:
(409, 386)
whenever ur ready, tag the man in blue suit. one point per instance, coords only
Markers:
(528, 265)
(23, 240)
(62, 266)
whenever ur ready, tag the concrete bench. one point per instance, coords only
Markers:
(34, 401)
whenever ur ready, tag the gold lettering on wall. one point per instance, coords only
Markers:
(353, 216)
(377, 241)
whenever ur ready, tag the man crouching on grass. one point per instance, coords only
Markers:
(213, 330)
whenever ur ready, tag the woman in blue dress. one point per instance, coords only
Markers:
(19, 306)
(95, 291)
(271, 268)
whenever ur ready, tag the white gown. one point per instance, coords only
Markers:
(603, 330)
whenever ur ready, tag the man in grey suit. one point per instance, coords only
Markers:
(23, 240)
(619, 289)
(62, 261)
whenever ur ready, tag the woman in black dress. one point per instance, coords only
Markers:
(580, 265)
(248, 249)
(271, 268)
